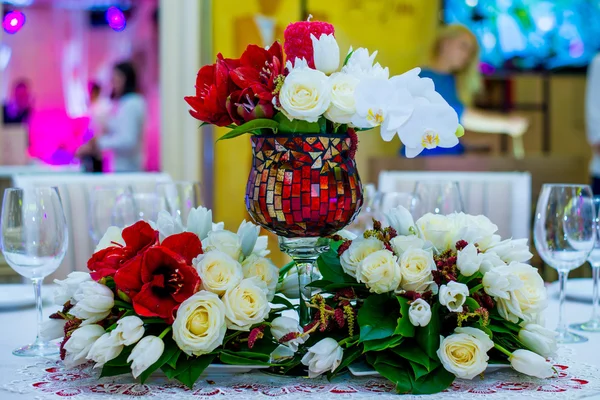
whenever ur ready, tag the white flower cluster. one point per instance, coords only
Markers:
(363, 95)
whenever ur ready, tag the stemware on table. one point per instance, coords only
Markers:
(178, 198)
(564, 236)
(34, 243)
(436, 197)
(110, 205)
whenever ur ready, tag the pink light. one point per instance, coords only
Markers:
(13, 22)
(116, 19)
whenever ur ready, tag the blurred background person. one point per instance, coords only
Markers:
(454, 69)
(17, 110)
(122, 135)
(592, 119)
(99, 112)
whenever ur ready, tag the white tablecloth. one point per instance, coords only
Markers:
(26, 379)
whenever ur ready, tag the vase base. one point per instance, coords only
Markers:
(304, 248)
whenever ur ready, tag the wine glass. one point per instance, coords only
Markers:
(146, 200)
(110, 205)
(564, 234)
(593, 325)
(436, 197)
(364, 220)
(178, 198)
(34, 243)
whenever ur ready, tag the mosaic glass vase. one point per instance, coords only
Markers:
(304, 188)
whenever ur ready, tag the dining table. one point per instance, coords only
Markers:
(577, 374)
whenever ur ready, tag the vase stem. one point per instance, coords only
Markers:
(304, 252)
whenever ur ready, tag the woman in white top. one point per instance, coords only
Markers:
(123, 131)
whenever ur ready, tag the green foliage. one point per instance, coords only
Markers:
(347, 57)
(350, 355)
(466, 279)
(285, 269)
(409, 351)
(472, 304)
(189, 369)
(377, 317)
(283, 301)
(382, 344)
(404, 326)
(114, 370)
(170, 350)
(295, 125)
(428, 337)
(253, 126)
(237, 358)
(331, 269)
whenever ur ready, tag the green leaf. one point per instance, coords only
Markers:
(153, 321)
(321, 283)
(400, 376)
(123, 305)
(510, 325)
(404, 326)
(283, 301)
(109, 281)
(382, 344)
(467, 279)
(331, 269)
(253, 356)
(169, 371)
(322, 125)
(499, 328)
(434, 382)
(170, 349)
(347, 57)
(418, 370)
(428, 337)
(190, 370)
(285, 269)
(377, 317)
(295, 125)
(472, 304)
(328, 286)
(350, 355)
(233, 359)
(121, 359)
(413, 354)
(172, 362)
(250, 126)
(108, 370)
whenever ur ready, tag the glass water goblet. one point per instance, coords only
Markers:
(110, 205)
(178, 198)
(34, 243)
(564, 234)
(593, 325)
(146, 200)
(436, 197)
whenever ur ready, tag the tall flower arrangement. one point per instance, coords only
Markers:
(306, 87)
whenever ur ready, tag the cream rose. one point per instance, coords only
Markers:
(305, 94)
(224, 241)
(200, 326)
(357, 252)
(263, 269)
(343, 104)
(526, 301)
(437, 229)
(380, 272)
(464, 353)
(416, 266)
(246, 304)
(402, 243)
(218, 271)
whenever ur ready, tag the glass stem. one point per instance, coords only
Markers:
(37, 289)
(305, 272)
(595, 299)
(562, 325)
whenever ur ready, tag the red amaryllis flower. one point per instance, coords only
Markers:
(157, 282)
(259, 69)
(244, 106)
(297, 41)
(213, 86)
(138, 237)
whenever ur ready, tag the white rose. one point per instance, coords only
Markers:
(419, 313)
(539, 339)
(112, 235)
(53, 329)
(453, 296)
(472, 228)
(224, 241)
(343, 103)
(324, 356)
(529, 363)
(305, 94)
(67, 287)
(246, 304)
(145, 353)
(80, 342)
(490, 261)
(464, 353)
(401, 220)
(106, 348)
(167, 225)
(512, 250)
(416, 266)
(263, 269)
(282, 326)
(200, 222)
(358, 250)
(437, 229)
(200, 326)
(218, 271)
(402, 243)
(93, 302)
(326, 53)
(468, 260)
(129, 330)
(380, 272)
(360, 64)
(526, 301)
(499, 284)
(248, 234)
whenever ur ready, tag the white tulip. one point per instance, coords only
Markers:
(282, 326)
(346, 234)
(401, 220)
(464, 353)
(200, 326)
(129, 330)
(246, 304)
(80, 342)
(93, 302)
(145, 353)
(168, 225)
(326, 53)
(539, 339)
(305, 94)
(280, 354)
(512, 250)
(261, 247)
(402, 243)
(67, 287)
(343, 102)
(490, 261)
(380, 272)
(200, 222)
(529, 363)
(53, 329)
(499, 284)
(263, 269)
(416, 266)
(218, 271)
(248, 234)
(360, 65)
(419, 313)
(106, 348)
(324, 356)
(224, 241)
(113, 236)
(468, 260)
(358, 250)
(291, 285)
(453, 296)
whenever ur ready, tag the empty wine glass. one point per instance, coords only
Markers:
(364, 220)
(34, 242)
(564, 234)
(436, 197)
(147, 202)
(179, 198)
(593, 325)
(110, 205)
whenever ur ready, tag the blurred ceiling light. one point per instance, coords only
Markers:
(472, 3)
(18, 3)
(13, 22)
(545, 23)
(116, 19)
